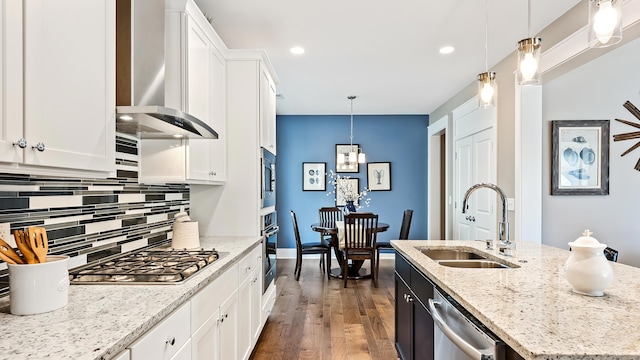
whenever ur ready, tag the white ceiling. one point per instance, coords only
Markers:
(385, 52)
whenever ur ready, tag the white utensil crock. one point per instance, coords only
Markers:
(39, 288)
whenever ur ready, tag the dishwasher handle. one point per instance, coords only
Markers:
(455, 338)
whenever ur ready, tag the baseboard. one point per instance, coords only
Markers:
(290, 253)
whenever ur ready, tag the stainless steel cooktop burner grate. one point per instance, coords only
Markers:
(167, 266)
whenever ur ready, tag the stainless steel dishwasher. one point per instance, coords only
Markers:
(458, 335)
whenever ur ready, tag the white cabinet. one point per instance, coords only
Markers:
(166, 339)
(228, 332)
(267, 111)
(195, 82)
(249, 302)
(204, 342)
(214, 317)
(58, 86)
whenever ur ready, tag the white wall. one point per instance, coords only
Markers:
(597, 90)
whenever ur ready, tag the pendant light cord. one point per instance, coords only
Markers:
(486, 35)
(351, 134)
(529, 18)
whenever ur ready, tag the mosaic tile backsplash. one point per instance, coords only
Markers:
(92, 219)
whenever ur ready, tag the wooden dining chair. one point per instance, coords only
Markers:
(329, 215)
(323, 249)
(404, 234)
(360, 242)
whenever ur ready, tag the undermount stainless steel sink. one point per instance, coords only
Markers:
(451, 254)
(474, 264)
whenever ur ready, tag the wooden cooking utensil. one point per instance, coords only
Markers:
(39, 243)
(7, 251)
(22, 240)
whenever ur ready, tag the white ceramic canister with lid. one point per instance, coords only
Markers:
(587, 269)
(39, 288)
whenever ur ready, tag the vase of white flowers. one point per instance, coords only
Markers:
(346, 190)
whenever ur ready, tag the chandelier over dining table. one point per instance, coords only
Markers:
(355, 153)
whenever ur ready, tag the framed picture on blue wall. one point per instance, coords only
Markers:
(342, 158)
(379, 176)
(314, 176)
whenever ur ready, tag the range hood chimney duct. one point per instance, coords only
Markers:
(140, 76)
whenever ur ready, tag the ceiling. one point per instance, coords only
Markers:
(384, 52)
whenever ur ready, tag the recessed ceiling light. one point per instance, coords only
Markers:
(297, 50)
(447, 49)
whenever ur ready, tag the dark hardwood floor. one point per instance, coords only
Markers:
(316, 318)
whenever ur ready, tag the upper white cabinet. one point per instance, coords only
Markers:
(267, 111)
(195, 82)
(58, 86)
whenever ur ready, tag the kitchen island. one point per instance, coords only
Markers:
(531, 306)
(102, 320)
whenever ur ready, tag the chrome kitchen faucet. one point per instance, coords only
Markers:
(504, 244)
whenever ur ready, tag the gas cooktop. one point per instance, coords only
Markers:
(151, 266)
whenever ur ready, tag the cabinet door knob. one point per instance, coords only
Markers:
(171, 341)
(39, 146)
(22, 143)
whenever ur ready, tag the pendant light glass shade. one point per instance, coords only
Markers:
(529, 61)
(487, 89)
(605, 23)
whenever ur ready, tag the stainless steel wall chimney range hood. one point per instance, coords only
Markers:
(140, 75)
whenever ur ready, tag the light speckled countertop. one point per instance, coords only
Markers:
(533, 309)
(101, 320)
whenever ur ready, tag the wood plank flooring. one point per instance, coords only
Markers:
(316, 318)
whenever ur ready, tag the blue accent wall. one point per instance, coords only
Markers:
(398, 139)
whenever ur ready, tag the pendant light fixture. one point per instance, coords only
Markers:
(355, 153)
(487, 80)
(605, 23)
(529, 56)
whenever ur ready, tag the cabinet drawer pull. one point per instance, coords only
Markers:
(22, 143)
(39, 146)
(171, 341)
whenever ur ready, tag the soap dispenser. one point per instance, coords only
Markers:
(587, 269)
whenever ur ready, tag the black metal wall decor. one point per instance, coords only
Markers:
(630, 135)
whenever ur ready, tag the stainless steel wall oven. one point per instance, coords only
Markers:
(269, 233)
(268, 190)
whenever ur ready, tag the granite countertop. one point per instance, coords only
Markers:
(101, 320)
(533, 309)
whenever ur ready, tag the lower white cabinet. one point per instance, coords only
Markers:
(165, 340)
(204, 342)
(249, 302)
(228, 331)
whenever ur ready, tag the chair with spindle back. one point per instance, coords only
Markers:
(360, 242)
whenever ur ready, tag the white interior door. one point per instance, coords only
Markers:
(474, 132)
(483, 200)
(464, 180)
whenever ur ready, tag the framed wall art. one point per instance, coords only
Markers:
(347, 189)
(314, 176)
(580, 157)
(347, 167)
(379, 176)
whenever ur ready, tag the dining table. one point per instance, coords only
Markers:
(354, 270)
